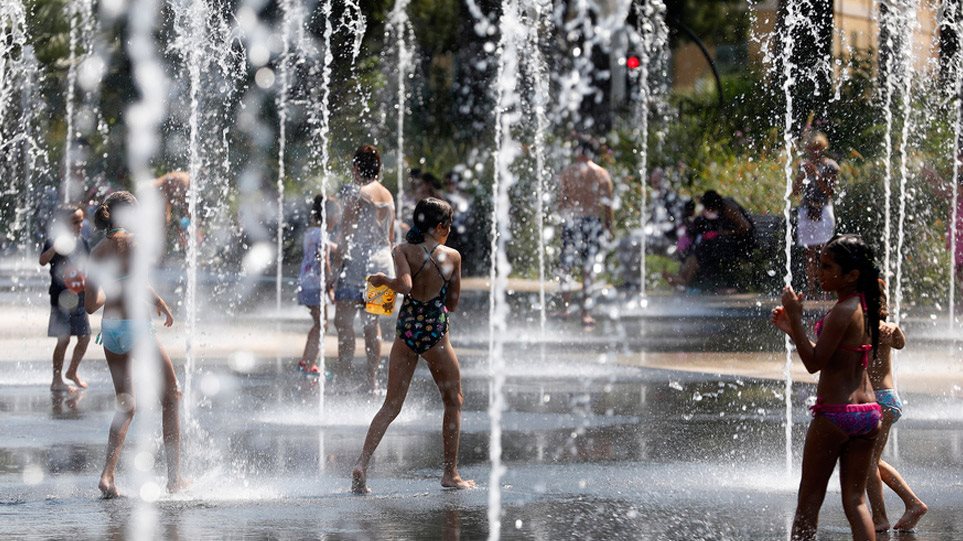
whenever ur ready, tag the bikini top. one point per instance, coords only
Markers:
(865, 349)
(444, 288)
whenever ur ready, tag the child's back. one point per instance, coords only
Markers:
(881, 369)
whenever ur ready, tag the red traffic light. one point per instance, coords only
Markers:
(633, 62)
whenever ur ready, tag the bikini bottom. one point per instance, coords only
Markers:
(853, 419)
(889, 401)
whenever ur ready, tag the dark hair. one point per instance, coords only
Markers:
(368, 162)
(850, 252)
(586, 147)
(66, 212)
(104, 215)
(883, 301)
(429, 213)
(712, 200)
(317, 207)
(431, 180)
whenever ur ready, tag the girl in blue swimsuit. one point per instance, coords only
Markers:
(111, 285)
(431, 293)
(846, 416)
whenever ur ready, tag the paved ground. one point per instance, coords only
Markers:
(665, 422)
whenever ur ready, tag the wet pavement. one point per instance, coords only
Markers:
(652, 426)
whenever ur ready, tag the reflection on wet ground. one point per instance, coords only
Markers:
(594, 450)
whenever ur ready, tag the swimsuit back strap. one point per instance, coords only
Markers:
(433, 262)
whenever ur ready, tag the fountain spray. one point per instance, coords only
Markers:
(792, 20)
(282, 105)
(954, 12)
(539, 74)
(143, 119)
(507, 114)
(323, 130)
(400, 26)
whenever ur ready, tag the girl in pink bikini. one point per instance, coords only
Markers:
(846, 416)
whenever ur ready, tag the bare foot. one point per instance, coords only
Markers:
(359, 481)
(108, 489)
(58, 386)
(455, 481)
(76, 379)
(881, 526)
(912, 515)
(174, 487)
(587, 321)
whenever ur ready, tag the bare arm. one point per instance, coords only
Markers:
(47, 255)
(742, 225)
(161, 307)
(454, 285)
(898, 338)
(607, 190)
(94, 297)
(816, 357)
(401, 283)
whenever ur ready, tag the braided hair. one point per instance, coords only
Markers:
(850, 252)
(429, 213)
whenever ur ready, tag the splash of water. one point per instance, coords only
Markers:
(886, 22)
(793, 18)
(507, 113)
(80, 14)
(284, 66)
(953, 12)
(538, 72)
(651, 17)
(908, 26)
(143, 119)
(399, 25)
(323, 130)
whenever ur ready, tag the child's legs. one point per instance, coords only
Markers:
(170, 420)
(821, 450)
(119, 365)
(372, 344)
(855, 463)
(874, 483)
(80, 349)
(58, 358)
(401, 367)
(344, 324)
(446, 372)
(313, 344)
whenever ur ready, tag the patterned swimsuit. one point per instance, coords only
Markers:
(422, 324)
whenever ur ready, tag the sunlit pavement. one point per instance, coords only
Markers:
(665, 422)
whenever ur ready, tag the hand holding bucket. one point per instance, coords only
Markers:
(379, 299)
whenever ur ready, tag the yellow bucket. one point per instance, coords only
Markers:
(379, 300)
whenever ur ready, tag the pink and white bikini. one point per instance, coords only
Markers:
(853, 419)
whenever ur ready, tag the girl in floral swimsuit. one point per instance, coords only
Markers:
(846, 416)
(431, 293)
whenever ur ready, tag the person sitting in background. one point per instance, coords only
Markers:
(724, 235)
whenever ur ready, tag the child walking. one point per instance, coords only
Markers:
(111, 286)
(309, 287)
(431, 293)
(881, 375)
(66, 251)
(846, 416)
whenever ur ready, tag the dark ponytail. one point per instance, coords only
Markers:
(106, 212)
(850, 252)
(430, 212)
